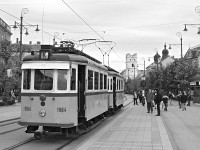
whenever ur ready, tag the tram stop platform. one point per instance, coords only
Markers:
(131, 129)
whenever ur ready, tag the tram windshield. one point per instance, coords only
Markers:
(43, 79)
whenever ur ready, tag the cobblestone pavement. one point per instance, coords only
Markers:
(183, 126)
(133, 129)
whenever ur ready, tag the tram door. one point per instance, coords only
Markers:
(114, 92)
(81, 93)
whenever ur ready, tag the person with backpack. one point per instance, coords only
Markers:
(165, 99)
(183, 100)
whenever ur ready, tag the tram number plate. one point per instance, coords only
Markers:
(61, 109)
(26, 108)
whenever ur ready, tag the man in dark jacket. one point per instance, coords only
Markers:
(158, 99)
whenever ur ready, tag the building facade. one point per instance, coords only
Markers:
(5, 31)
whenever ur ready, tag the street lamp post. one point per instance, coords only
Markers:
(180, 36)
(181, 44)
(24, 11)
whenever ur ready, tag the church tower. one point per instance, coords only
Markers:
(131, 66)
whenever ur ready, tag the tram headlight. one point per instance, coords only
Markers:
(42, 113)
(42, 97)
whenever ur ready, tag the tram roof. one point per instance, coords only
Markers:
(70, 55)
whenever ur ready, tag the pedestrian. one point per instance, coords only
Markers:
(135, 97)
(179, 98)
(170, 95)
(140, 96)
(12, 96)
(183, 100)
(189, 98)
(149, 100)
(165, 99)
(158, 98)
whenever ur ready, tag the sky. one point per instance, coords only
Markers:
(128, 26)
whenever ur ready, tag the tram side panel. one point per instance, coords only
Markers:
(96, 104)
(96, 92)
(119, 98)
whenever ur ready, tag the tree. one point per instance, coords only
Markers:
(174, 77)
(8, 60)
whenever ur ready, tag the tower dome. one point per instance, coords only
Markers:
(165, 52)
(156, 58)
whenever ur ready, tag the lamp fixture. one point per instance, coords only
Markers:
(26, 33)
(37, 29)
(185, 29)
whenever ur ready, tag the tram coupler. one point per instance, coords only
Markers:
(39, 135)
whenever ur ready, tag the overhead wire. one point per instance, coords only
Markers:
(88, 25)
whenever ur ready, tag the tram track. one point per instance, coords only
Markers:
(19, 144)
(9, 122)
(1, 133)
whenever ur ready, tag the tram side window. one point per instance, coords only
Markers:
(105, 81)
(27, 79)
(108, 84)
(73, 79)
(101, 81)
(62, 80)
(90, 79)
(96, 80)
(111, 84)
(117, 86)
(43, 79)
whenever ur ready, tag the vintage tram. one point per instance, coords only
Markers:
(65, 90)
